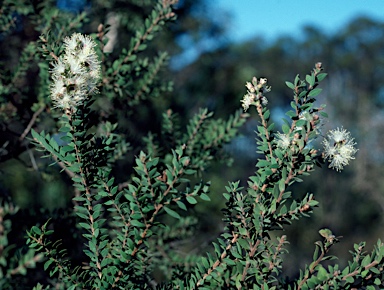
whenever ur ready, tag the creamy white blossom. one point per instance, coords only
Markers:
(263, 81)
(283, 140)
(264, 101)
(59, 68)
(76, 73)
(339, 148)
(247, 100)
(255, 94)
(250, 87)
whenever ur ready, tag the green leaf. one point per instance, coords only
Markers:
(114, 190)
(171, 212)
(375, 270)
(291, 114)
(142, 47)
(290, 85)
(267, 113)
(377, 282)
(243, 231)
(349, 280)
(285, 128)
(66, 149)
(316, 253)
(283, 210)
(79, 198)
(81, 215)
(326, 233)
(237, 281)
(109, 202)
(324, 114)
(205, 197)
(366, 261)
(263, 163)
(47, 264)
(110, 182)
(66, 139)
(281, 185)
(92, 245)
(244, 244)
(297, 80)
(321, 76)
(36, 230)
(132, 57)
(191, 200)
(138, 224)
(322, 273)
(85, 226)
(65, 129)
(181, 205)
(35, 134)
(310, 79)
(314, 92)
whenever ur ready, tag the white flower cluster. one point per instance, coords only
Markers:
(283, 140)
(76, 73)
(255, 93)
(339, 148)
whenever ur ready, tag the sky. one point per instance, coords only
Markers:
(273, 18)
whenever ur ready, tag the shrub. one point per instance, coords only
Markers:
(130, 231)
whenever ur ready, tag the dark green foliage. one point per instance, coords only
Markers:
(135, 232)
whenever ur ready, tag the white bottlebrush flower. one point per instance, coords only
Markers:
(247, 100)
(58, 68)
(76, 73)
(339, 148)
(283, 140)
(76, 68)
(255, 94)
(70, 43)
(58, 89)
(264, 101)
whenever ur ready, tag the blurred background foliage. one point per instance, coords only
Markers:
(209, 71)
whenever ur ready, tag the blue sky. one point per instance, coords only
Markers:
(271, 18)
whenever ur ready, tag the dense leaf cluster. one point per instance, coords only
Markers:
(134, 233)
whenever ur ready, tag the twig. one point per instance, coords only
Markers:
(64, 167)
(30, 124)
(33, 160)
